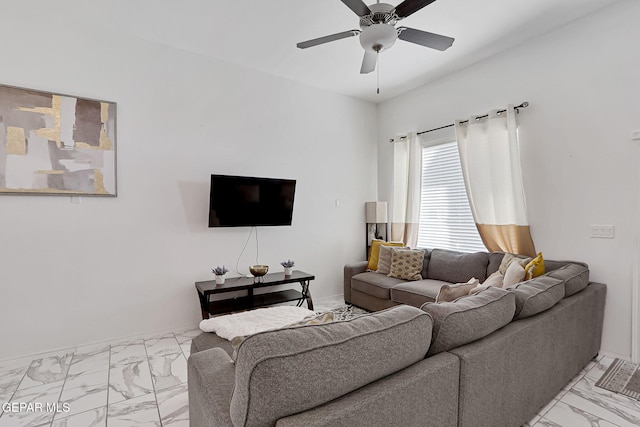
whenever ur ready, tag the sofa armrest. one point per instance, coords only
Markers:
(351, 270)
(211, 379)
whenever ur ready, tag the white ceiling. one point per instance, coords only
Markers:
(263, 34)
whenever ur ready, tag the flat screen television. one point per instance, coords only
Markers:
(242, 201)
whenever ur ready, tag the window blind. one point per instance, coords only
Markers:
(446, 221)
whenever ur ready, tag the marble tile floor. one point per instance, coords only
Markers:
(581, 403)
(138, 382)
(143, 382)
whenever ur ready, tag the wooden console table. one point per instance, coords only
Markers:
(251, 300)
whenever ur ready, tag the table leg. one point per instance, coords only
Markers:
(306, 295)
(203, 306)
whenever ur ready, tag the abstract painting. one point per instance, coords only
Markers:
(56, 144)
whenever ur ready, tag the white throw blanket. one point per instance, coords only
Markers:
(252, 322)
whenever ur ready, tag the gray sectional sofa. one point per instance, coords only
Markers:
(373, 291)
(490, 359)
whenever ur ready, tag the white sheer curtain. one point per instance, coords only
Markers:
(407, 183)
(490, 160)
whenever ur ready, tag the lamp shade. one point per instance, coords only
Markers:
(376, 212)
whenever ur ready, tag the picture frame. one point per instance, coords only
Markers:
(54, 144)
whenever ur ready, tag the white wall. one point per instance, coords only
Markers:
(111, 267)
(579, 163)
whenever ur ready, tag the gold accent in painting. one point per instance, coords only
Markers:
(98, 182)
(16, 144)
(50, 172)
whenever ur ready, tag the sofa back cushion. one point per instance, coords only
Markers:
(537, 295)
(425, 263)
(469, 318)
(495, 259)
(574, 274)
(287, 371)
(457, 267)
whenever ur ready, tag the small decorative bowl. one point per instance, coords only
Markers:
(258, 270)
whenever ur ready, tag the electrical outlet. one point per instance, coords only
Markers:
(602, 231)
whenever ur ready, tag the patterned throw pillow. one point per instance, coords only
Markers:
(384, 260)
(406, 264)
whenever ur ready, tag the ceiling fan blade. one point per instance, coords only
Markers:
(327, 39)
(407, 7)
(423, 38)
(358, 6)
(368, 62)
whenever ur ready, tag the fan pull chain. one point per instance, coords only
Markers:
(378, 70)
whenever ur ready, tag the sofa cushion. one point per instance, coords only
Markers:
(416, 293)
(457, 267)
(425, 263)
(288, 371)
(495, 258)
(574, 274)
(537, 295)
(374, 284)
(318, 319)
(406, 264)
(384, 260)
(469, 319)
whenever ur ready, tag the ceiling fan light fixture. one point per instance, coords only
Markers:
(378, 37)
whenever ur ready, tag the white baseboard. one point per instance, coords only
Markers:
(62, 350)
(635, 306)
(328, 299)
(615, 355)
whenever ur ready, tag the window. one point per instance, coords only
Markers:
(446, 221)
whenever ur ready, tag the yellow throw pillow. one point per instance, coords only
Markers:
(374, 255)
(535, 267)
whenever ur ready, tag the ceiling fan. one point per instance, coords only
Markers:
(378, 31)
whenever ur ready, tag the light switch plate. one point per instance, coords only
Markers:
(602, 231)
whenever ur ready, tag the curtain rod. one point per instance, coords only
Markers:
(525, 104)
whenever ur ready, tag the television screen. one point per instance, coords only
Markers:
(241, 201)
